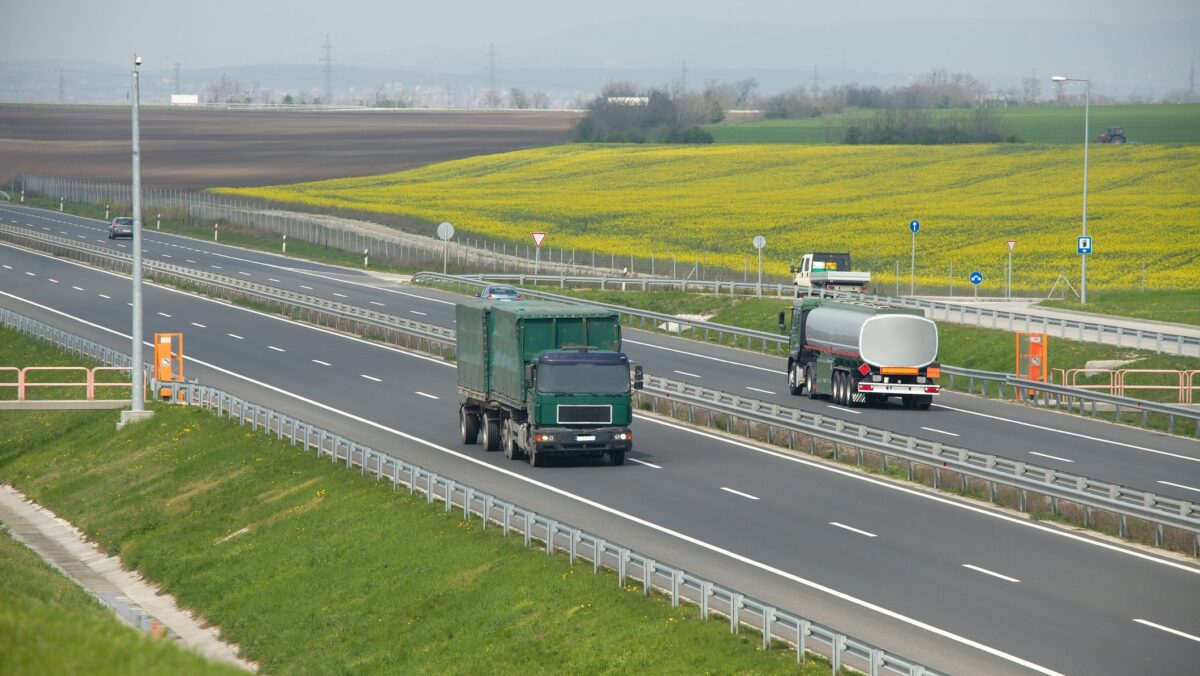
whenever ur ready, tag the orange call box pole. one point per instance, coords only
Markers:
(1033, 356)
(168, 360)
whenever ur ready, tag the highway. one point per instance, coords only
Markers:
(1150, 461)
(959, 586)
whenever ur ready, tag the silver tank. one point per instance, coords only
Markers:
(879, 339)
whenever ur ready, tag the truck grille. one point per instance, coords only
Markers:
(584, 414)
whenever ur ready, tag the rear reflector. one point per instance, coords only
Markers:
(932, 390)
(933, 372)
(864, 369)
(863, 387)
(898, 371)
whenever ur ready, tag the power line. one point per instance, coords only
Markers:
(327, 69)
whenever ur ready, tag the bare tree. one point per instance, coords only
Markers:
(619, 88)
(541, 100)
(520, 98)
(491, 99)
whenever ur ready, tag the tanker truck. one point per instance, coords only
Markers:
(542, 379)
(858, 354)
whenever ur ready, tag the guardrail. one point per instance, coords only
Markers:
(775, 624)
(1090, 494)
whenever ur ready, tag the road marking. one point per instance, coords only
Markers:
(1169, 630)
(189, 260)
(216, 267)
(755, 389)
(377, 303)
(700, 356)
(8, 267)
(129, 304)
(853, 529)
(277, 349)
(744, 495)
(163, 314)
(932, 429)
(77, 288)
(234, 335)
(1052, 457)
(247, 274)
(841, 409)
(166, 255)
(340, 295)
(306, 287)
(322, 363)
(45, 228)
(271, 279)
(993, 573)
(378, 380)
(417, 312)
(199, 325)
(1070, 434)
(52, 281)
(30, 274)
(643, 462)
(689, 375)
(104, 296)
(427, 396)
(1189, 488)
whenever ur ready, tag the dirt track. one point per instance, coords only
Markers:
(197, 148)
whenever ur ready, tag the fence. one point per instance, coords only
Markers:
(89, 374)
(775, 624)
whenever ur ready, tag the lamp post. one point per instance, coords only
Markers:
(136, 372)
(1087, 99)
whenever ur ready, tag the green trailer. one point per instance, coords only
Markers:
(544, 379)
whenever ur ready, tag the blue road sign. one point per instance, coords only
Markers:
(915, 225)
(1085, 245)
(976, 278)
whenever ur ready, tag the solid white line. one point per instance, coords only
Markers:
(234, 335)
(744, 495)
(1168, 483)
(309, 288)
(643, 462)
(199, 325)
(340, 295)
(377, 303)
(163, 314)
(689, 375)
(378, 380)
(1169, 630)
(1052, 457)
(1071, 434)
(931, 429)
(853, 529)
(417, 312)
(277, 349)
(428, 396)
(843, 410)
(700, 356)
(985, 571)
(104, 296)
(755, 389)
(322, 363)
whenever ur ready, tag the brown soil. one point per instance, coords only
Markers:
(202, 148)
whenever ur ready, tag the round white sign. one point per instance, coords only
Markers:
(445, 231)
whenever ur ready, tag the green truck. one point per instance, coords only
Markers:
(856, 353)
(543, 379)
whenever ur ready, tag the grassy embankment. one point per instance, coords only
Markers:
(1144, 123)
(1180, 307)
(336, 572)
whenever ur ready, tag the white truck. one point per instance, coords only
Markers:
(820, 270)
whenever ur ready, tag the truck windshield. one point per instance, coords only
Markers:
(583, 378)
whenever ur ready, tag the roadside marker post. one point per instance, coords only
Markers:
(216, 229)
(366, 255)
(158, 221)
(285, 245)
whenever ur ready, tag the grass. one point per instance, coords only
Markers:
(18, 352)
(1181, 307)
(1143, 123)
(48, 625)
(337, 572)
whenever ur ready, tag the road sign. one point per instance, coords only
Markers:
(445, 231)
(1085, 245)
(915, 225)
(760, 242)
(1011, 243)
(976, 278)
(537, 238)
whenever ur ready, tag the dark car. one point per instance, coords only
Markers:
(121, 226)
(500, 292)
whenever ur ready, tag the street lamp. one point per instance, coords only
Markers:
(1087, 99)
(137, 375)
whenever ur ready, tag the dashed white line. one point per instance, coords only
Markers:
(993, 573)
(1052, 457)
(77, 288)
(309, 288)
(322, 363)
(104, 296)
(417, 312)
(1189, 488)
(934, 429)
(853, 529)
(378, 380)
(427, 396)
(643, 462)
(247, 274)
(277, 349)
(189, 260)
(30, 274)
(340, 295)
(744, 495)
(689, 375)
(216, 267)
(8, 267)
(166, 255)
(843, 410)
(234, 335)
(163, 314)
(271, 279)
(52, 280)
(199, 325)
(1169, 630)
(373, 302)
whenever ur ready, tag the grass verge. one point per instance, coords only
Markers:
(336, 572)
(1180, 307)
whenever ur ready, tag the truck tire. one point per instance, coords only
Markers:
(810, 382)
(468, 425)
(795, 380)
(839, 388)
(617, 457)
(491, 432)
(537, 459)
(924, 401)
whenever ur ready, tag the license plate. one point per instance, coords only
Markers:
(585, 437)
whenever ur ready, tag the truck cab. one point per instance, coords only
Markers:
(827, 271)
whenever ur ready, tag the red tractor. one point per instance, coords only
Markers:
(1113, 135)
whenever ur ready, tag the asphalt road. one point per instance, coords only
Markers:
(959, 586)
(1146, 460)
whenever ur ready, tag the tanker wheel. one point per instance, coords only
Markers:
(810, 382)
(796, 380)
(617, 457)
(468, 425)
(924, 401)
(843, 389)
(852, 398)
(491, 432)
(537, 459)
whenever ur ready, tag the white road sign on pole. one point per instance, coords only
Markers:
(759, 243)
(445, 231)
(538, 238)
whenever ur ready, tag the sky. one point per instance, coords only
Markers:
(960, 36)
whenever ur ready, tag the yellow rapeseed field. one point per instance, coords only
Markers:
(709, 202)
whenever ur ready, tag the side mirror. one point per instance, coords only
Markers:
(792, 268)
(639, 381)
(782, 321)
(530, 375)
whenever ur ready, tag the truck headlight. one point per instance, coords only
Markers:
(623, 436)
(543, 437)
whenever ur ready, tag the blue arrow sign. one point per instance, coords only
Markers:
(976, 278)
(915, 225)
(1085, 245)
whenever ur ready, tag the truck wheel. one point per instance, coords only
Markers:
(468, 425)
(810, 382)
(536, 459)
(924, 402)
(491, 433)
(617, 457)
(839, 388)
(853, 398)
(909, 400)
(795, 380)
